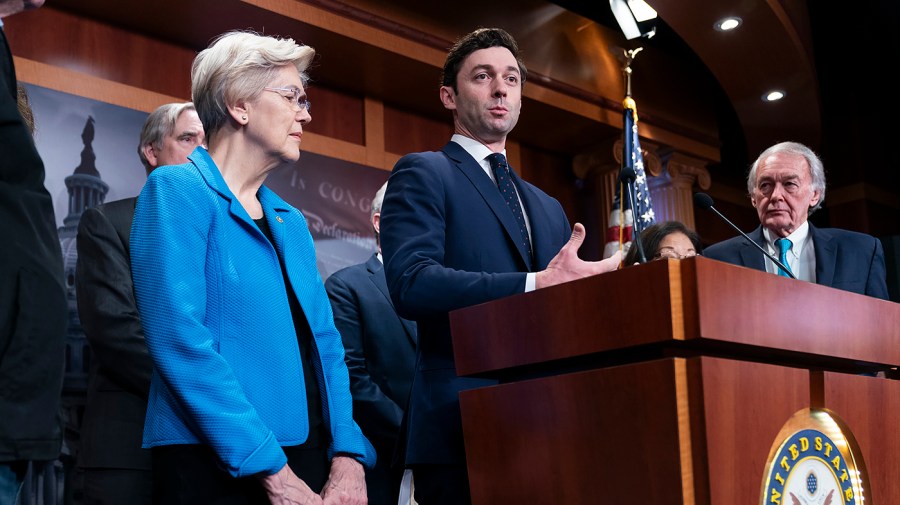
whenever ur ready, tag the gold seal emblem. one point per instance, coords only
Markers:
(814, 461)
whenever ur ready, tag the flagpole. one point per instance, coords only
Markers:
(630, 214)
(627, 173)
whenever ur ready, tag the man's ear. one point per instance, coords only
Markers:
(150, 154)
(815, 199)
(376, 222)
(448, 97)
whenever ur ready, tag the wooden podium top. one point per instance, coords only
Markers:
(697, 305)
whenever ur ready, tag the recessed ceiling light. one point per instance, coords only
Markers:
(773, 96)
(727, 24)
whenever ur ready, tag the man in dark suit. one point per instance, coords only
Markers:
(460, 228)
(116, 468)
(380, 351)
(786, 184)
(33, 308)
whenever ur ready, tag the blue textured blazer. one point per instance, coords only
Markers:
(845, 260)
(213, 302)
(450, 241)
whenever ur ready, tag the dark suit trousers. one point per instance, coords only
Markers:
(118, 486)
(191, 475)
(383, 481)
(441, 484)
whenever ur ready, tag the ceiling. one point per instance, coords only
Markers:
(829, 57)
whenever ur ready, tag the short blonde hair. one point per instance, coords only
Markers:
(236, 66)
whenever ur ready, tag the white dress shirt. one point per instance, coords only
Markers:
(802, 256)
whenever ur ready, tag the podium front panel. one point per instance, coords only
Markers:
(870, 407)
(671, 431)
(744, 407)
(600, 436)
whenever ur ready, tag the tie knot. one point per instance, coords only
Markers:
(784, 245)
(497, 160)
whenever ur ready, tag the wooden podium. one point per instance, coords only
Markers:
(668, 383)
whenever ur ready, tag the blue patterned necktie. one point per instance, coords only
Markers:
(784, 245)
(508, 192)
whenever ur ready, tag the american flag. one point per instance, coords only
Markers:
(622, 222)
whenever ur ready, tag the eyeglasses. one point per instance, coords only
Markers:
(671, 253)
(299, 103)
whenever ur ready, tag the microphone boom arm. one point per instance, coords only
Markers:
(774, 260)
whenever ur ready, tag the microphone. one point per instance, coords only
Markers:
(705, 202)
(627, 176)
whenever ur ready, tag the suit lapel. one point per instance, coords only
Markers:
(278, 215)
(295, 250)
(489, 192)
(207, 168)
(826, 255)
(374, 267)
(376, 275)
(750, 256)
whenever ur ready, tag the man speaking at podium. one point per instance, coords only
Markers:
(786, 184)
(461, 228)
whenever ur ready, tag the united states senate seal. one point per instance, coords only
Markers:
(814, 461)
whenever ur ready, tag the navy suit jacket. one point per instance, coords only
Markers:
(380, 350)
(450, 241)
(845, 260)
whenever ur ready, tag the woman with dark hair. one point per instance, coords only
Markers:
(668, 239)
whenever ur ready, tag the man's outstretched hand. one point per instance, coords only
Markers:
(567, 266)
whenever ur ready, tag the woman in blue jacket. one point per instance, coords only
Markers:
(249, 400)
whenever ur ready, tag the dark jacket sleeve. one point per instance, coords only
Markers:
(432, 269)
(377, 414)
(106, 304)
(33, 307)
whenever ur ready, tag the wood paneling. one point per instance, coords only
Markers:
(97, 61)
(337, 115)
(89, 47)
(552, 172)
(102, 90)
(405, 132)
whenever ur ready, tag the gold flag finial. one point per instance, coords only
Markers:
(628, 56)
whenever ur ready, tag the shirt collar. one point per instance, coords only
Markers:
(798, 239)
(475, 148)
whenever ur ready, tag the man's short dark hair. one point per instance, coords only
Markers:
(482, 38)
